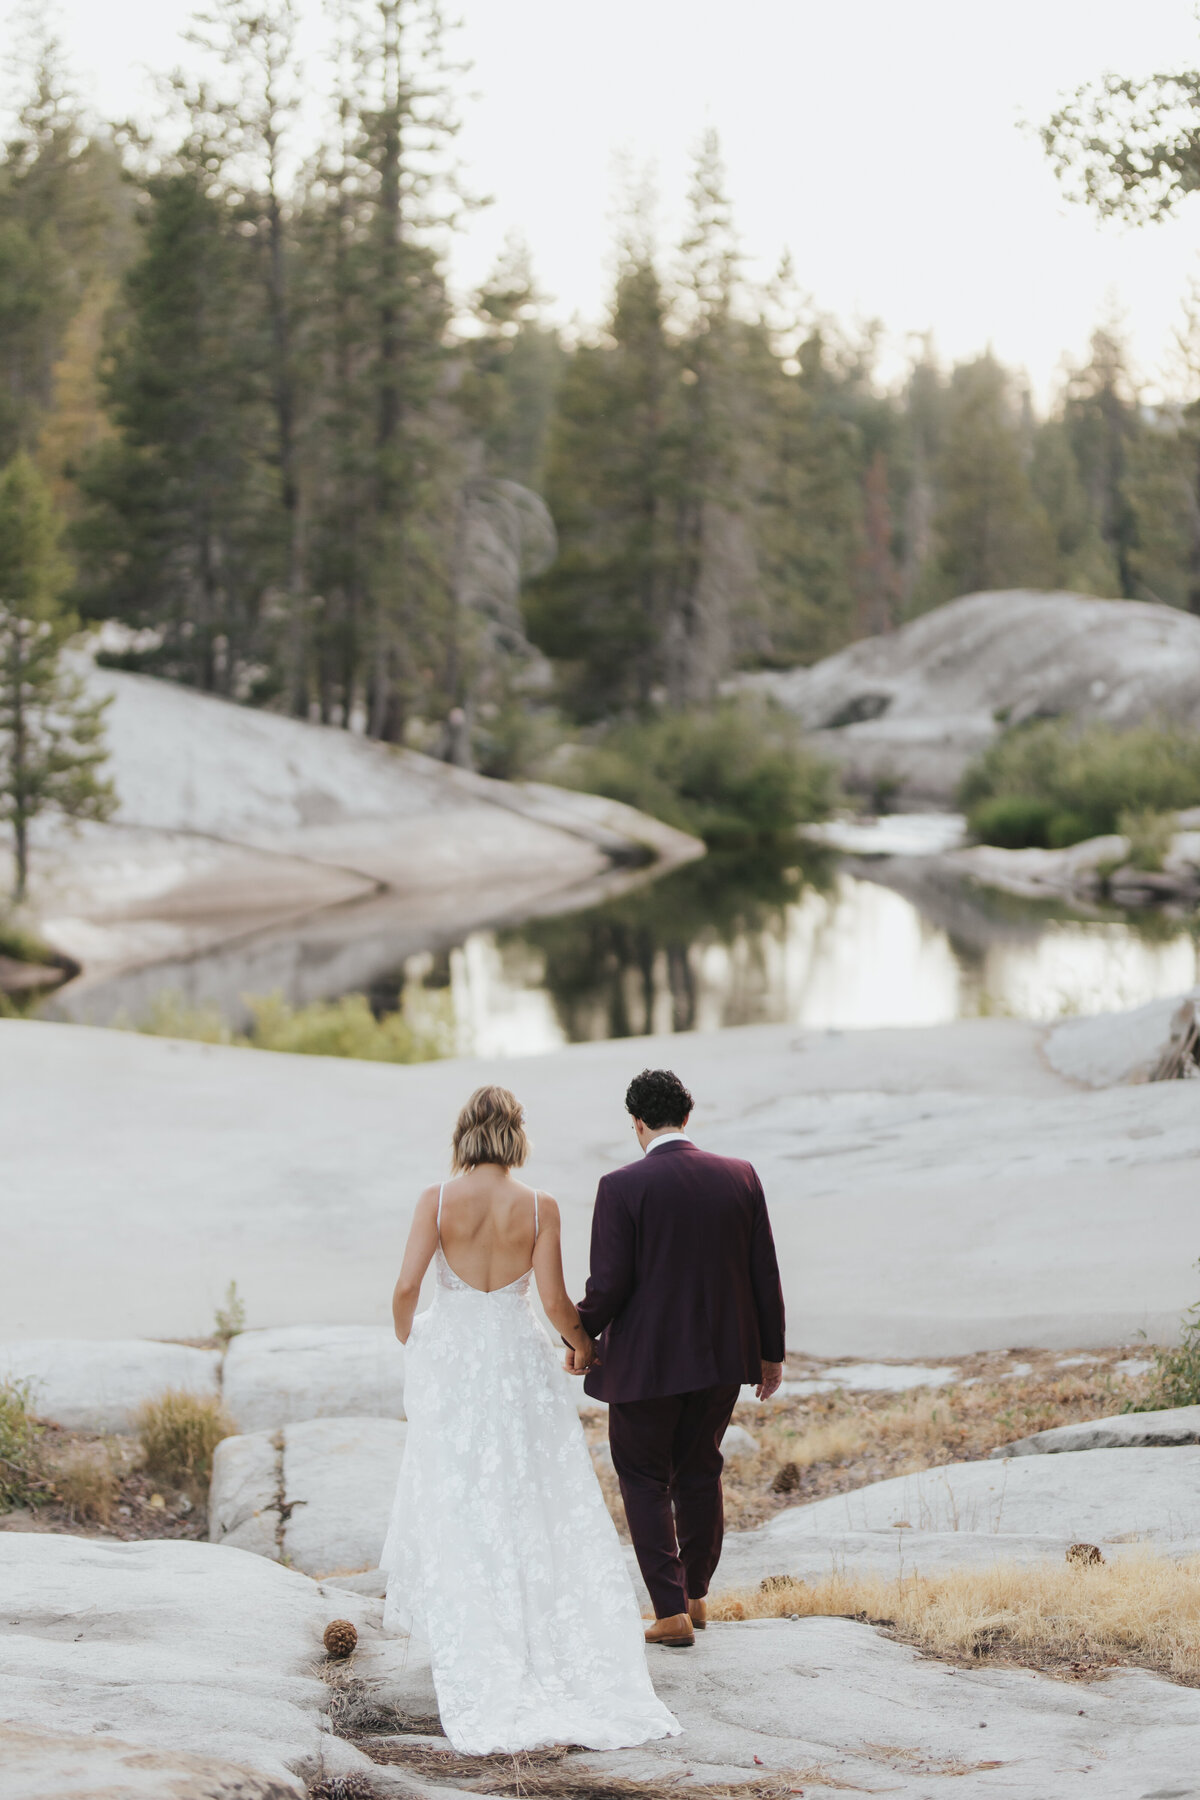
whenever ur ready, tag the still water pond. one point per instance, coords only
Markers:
(825, 942)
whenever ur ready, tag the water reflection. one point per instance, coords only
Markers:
(768, 941)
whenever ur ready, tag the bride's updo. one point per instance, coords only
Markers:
(490, 1129)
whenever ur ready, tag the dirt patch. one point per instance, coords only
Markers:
(814, 1445)
(98, 1488)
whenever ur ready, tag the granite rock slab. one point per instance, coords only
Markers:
(296, 1372)
(173, 1646)
(98, 1384)
(1148, 1495)
(39, 1765)
(1165, 1430)
(316, 1495)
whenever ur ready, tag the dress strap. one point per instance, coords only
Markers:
(441, 1191)
(535, 1215)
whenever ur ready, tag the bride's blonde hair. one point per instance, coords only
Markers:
(490, 1129)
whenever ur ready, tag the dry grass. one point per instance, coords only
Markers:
(1071, 1617)
(178, 1433)
(87, 1482)
(813, 1446)
(549, 1775)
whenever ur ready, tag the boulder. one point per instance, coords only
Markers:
(915, 706)
(1108, 1049)
(244, 1496)
(1173, 1426)
(1093, 1496)
(738, 1442)
(173, 1646)
(99, 1384)
(38, 1765)
(297, 1372)
(317, 1495)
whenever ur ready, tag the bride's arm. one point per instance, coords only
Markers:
(418, 1254)
(559, 1308)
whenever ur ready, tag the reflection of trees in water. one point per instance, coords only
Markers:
(628, 968)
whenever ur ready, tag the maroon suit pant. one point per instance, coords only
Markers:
(667, 1454)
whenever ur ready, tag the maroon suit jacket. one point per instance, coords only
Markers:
(684, 1290)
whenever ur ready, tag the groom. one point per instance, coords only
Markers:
(684, 1295)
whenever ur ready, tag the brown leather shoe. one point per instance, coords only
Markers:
(674, 1633)
(698, 1614)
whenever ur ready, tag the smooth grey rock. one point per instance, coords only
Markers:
(98, 1385)
(876, 1716)
(919, 703)
(749, 1557)
(38, 1765)
(244, 1494)
(949, 1150)
(1173, 1426)
(296, 1372)
(316, 1495)
(739, 1442)
(339, 1481)
(173, 1646)
(371, 1583)
(1108, 1049)
(1095, 1495)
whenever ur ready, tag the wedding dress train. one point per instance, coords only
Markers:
(501, 1552)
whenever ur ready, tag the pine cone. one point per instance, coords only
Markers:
(340, 1638)
(1084, 1553)
(343, 1787)
(787, 1479)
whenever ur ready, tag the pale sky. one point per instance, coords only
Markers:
(878, 140)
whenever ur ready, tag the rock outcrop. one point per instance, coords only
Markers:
(316, 1495)
(908, 711)
(1126, 1431)
(99, 1384)
(296, 1372)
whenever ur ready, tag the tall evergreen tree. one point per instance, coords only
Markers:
(51, 734)
(599, 610)
(178, 536)
(991, 531)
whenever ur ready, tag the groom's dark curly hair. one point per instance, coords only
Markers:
(658, 1098)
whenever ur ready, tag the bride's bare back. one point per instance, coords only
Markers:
(488, 1227)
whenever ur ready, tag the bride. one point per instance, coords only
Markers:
(501, 1551)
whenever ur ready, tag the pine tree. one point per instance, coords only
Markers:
(991, 531)
(255, 41)
(178, 537)
(51, 734)
(600, 610)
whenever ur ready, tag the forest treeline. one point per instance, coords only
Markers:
(300, 473)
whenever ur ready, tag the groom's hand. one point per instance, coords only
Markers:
(772, 1375)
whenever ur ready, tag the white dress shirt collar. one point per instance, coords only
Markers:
(668, 1137)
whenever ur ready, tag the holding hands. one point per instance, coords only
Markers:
(578, 1361)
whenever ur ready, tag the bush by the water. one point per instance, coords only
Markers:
(345, 1027)
(735, 774)
(1055, 783)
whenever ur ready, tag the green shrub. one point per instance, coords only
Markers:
(1149, 835)
(229, 1321)
(1176, 1378)
(178, 1433)
(1078, 782)
(345, 1027)
(21, 945)
(21, 1478)
(735, 774)
(1014, 821)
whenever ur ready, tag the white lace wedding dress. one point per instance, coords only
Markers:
(501, 1552)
